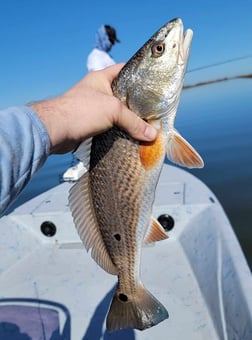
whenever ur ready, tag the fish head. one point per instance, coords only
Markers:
(150, 83)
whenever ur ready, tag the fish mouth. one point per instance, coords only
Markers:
(186, 43)
(184, 40)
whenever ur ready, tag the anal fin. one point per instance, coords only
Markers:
(155, 233)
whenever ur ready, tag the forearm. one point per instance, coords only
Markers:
(24, 147)
(51, 114)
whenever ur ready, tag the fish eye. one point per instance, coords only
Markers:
(158, 49)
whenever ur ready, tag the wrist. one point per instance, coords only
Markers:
(48, 112)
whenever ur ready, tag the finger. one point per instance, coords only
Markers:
(112, 71)
(134, 125)
(102, 79)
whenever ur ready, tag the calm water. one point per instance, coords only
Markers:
(217, 121)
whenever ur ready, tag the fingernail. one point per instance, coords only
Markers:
(150, 132)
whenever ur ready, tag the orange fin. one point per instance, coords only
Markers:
(180, 152)
(155, 233)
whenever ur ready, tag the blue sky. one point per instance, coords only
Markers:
(44, 43)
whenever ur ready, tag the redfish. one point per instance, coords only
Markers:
(112, 203)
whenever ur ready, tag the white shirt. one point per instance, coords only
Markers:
(97, 60)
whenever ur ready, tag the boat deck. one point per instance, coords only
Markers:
(199, 273)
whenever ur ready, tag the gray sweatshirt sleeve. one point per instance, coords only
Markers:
(24, 147)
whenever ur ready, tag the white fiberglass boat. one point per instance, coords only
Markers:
(50, 288)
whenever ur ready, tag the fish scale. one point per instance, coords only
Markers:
(112, 203)
(119, 208)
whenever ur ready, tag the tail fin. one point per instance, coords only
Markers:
(140, 311)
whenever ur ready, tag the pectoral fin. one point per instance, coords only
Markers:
(155, 233)
(180, 152)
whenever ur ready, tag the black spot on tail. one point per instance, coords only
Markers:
(123, 297)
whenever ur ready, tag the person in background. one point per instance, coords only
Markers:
(98, 59)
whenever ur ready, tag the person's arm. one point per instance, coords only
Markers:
(29, 134)
(24, 147)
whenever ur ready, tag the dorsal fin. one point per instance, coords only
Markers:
(155, 233)
(83, 152)
(86, 224)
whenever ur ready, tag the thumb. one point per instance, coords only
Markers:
(134, 125)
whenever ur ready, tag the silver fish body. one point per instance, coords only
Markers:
(112, 203)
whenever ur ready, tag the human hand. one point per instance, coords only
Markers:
(87, 109)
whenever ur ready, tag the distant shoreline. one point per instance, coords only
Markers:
(244, 76)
